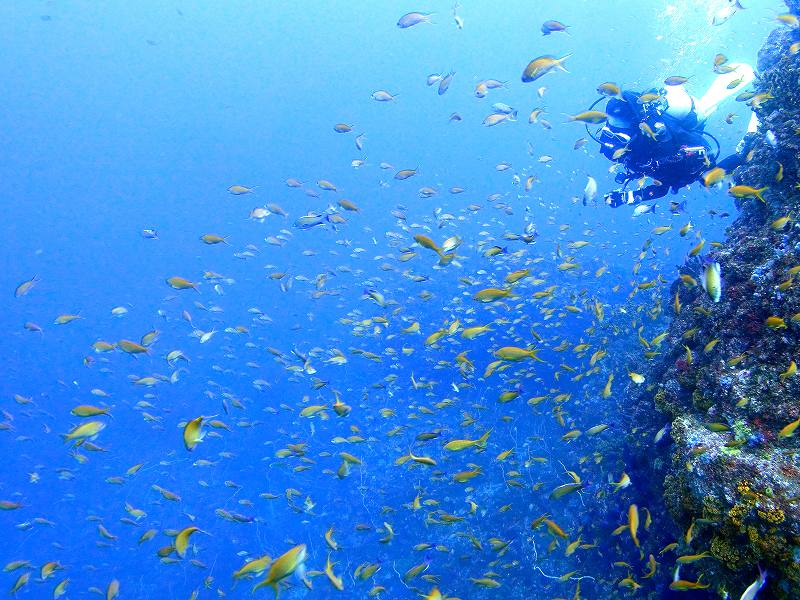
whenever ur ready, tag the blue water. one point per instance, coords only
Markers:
(118, 118)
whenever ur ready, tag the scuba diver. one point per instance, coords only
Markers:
(660, 134)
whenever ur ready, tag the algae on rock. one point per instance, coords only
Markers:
(740, 489)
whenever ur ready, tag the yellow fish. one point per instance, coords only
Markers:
(775, 323)
(637, 378)
(589, 116)
(713, 176)
(565, 489)
(681, 585)
(541, 66)
(781, 223)
(254, 567)
(696, 249)
(182, 540)
(458, 445)
(85, 431)
(607, 389)
(633, 522)
(647, 130)
(283, 567)
(624, 481)
(193, 433)
(552, 528)
(25, 287)
(87, 410)
(491, 294)
(470, 333)
(179, 283)
(238, 190)
(464, 476)
(789, 430)
(791, 371)
(426, 242)
(712, 281)
(690, 558)
(746, 191)
(512, 353)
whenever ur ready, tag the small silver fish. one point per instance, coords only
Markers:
(444, 84)
(382, 96)
(456, 19)
(643, 209)
(501, 107)
(310, 220)
(726, 12)
(662, 432)
(413, 18)
(433, 78)
(590, 191)
(754, 587)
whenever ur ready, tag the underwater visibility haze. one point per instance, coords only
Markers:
(392, 300)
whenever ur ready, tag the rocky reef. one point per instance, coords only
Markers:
(730, 478)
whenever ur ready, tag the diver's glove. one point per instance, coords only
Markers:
(619, 197)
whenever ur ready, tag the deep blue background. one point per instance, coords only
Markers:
(117, 117)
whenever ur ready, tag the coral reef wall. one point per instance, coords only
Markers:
(731, 476)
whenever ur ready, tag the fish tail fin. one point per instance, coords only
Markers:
(761, 191)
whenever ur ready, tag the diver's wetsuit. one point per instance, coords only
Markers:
(674, 152)
(678, 177)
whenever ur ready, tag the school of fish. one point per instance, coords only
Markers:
(478, 368)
